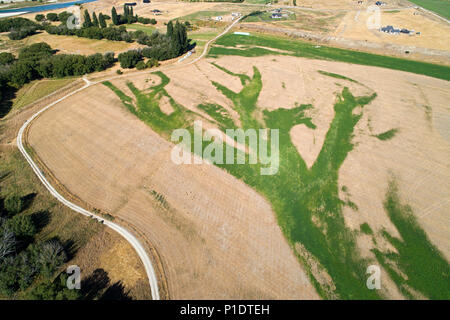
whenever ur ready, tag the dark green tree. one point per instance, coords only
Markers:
(6, 58)
(115, 18)
(39, 17)
(129, 59)
(13, 204)
(95, 20)
(63, 16)
(87, 20)
(56, 290)
(51, 257)
(169, 32)
(101, 20)
(21, 225)
(51, 16)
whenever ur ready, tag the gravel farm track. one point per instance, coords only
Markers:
(121, 230)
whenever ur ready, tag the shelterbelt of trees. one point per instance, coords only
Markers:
(19, 28)
(160, 46)
(40, 61)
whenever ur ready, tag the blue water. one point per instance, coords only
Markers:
(46, 7)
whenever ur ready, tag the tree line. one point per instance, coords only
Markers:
(159, 46)
(19, 28)
(32, 268)
(96, 27)
(40, 61)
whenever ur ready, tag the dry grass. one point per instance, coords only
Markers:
(38, 89)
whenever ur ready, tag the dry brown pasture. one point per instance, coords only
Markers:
(217, 238)
(71, 44)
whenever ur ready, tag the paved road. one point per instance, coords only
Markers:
(122, 231)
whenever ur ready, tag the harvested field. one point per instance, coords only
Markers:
(217, 237)
(214, 243)
(73, 44)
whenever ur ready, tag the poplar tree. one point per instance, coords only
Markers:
(101, 20)
(114, 17)
(95, 20)
(87, 20)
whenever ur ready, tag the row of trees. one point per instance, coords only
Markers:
(160, 46)
(110, 33)
(17, 34)
(39, 61)
(127, 16)
(99, 22)
(19, 28)
(51, 16)
(9, 24)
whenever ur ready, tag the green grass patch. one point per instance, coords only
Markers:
(36, 90)
(202, 15)
(387, 135)
(441, 7)
(366, 229)
(418, 263)
(140, 27)
(218, 113)
(337, 76)
(298, 195)
(300, 48)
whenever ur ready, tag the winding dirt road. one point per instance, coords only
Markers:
(119, 229)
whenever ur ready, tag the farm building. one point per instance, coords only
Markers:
(392, 30)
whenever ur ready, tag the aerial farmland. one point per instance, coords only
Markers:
(243, 150)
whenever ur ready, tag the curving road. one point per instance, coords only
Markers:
(122, 231)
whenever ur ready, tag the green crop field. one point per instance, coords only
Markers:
(250, 46)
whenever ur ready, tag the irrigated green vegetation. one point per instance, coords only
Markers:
(218, 113)
(337, 76)
(300, 48)
(417, 266)
(308, 207)
(387, 135)
(365, 228)
(306, 200)
(148, 106)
